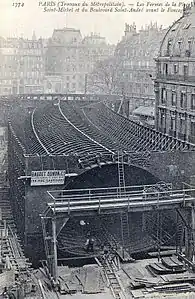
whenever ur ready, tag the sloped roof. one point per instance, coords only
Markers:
(179, 40)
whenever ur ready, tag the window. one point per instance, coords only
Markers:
(188, 51)
(163, 95)
(175, 68)
(168, 48)
(162, 119)
(173, 98)
(179, 45)
(165, 68)
(186, 26)
(159, 67)
(183, 100)
(190, 45)
(182, 123)
(173, 123)
(185, 70)
(193, 101)
(49, 85)
(192, 128)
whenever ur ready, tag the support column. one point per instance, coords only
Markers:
(55, 258)
(193, 233)
(186, 242)
(51, 227)
(159, 232)
(189, 235)
(144, 214)
(144, 220)
(122, 233)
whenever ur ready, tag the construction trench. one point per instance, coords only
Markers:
(148, 227)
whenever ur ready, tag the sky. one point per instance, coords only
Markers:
(22, 21)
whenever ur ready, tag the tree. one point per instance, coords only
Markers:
(106, 77)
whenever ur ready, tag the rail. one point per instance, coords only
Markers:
(36, 135)
(61, 193)
(87, 202)
(81, 132)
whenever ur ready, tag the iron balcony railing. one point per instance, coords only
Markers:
(175, 77)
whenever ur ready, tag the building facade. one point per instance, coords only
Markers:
(58, 65)
(175, 79)
(70, 58)
(22, 65)
(31, 66)
(137, 51)
(8, 66)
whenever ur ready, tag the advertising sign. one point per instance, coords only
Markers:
(47, 177)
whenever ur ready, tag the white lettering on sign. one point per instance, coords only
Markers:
(47, 177)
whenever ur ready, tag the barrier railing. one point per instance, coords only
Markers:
(88, 201)
(57, 194)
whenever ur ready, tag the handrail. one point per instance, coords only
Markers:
(140, 195)
(109, 188)
(111, 202)
(119, 196)
(134, 205)
(97, 199)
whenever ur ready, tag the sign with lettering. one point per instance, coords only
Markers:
(47, 177)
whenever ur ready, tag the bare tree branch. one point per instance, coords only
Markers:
(107, 76)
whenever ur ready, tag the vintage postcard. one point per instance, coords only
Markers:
(97, 149)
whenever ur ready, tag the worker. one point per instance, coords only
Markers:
(105, 249)
(90, 244)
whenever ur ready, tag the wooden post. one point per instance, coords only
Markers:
(186, 243)
(121, 222)
(54, 241)
(176, 239)
(158, 234)
(193, 233)
(55, 258)
(143, 213)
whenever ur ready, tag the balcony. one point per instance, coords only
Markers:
(175, 77)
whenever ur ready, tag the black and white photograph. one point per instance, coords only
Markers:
(97, 149)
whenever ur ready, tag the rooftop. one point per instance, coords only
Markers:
(179, 39)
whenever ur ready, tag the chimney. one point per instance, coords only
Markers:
(34, 36)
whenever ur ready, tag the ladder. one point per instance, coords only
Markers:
(110, 272)
(125, 234)
(121, 173)
(47, 243)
